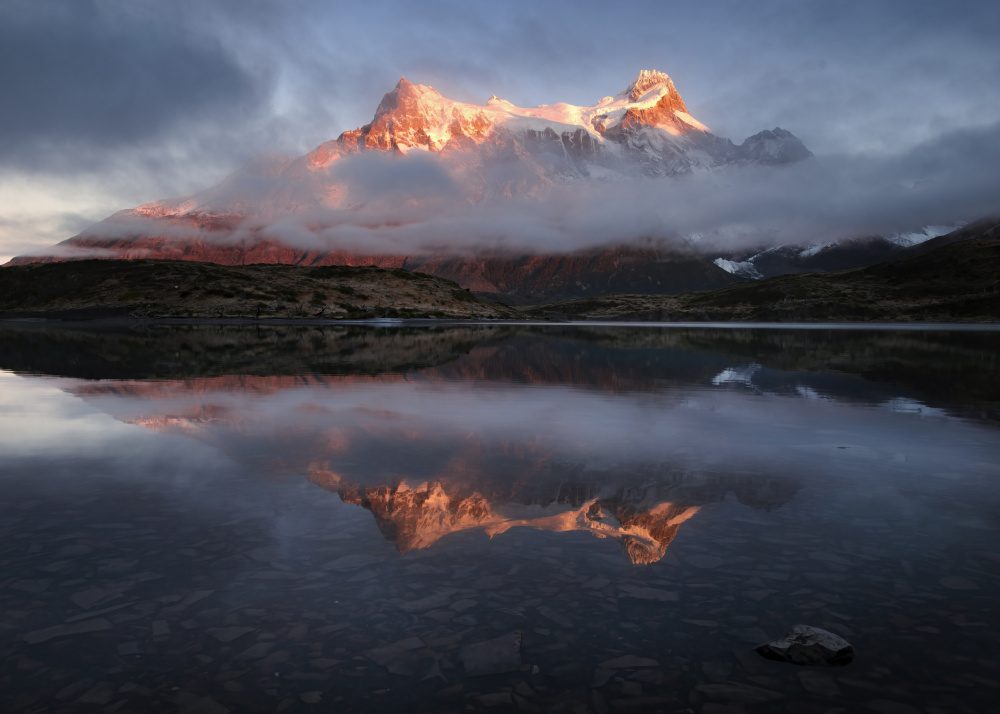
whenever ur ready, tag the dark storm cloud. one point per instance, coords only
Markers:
(146, 100)
(841, 75)
(873, 77)
(80, 74)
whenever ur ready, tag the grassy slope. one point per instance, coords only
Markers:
(956, 282)
(97, 288)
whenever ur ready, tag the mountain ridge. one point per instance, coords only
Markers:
(323, 207)
(946, 279)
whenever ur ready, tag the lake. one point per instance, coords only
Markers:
(266, 518)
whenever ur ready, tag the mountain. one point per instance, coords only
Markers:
(950, 278)
(423, 155)
(860, 252)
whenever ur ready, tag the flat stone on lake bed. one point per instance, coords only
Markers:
(957, 582)
(86, 599)
(644, 593)
(601, 677)
(77, 628)
(397, 660)
(430, 602)
(256, 651)
(350, 563)
(100, 694)
(228, 634)
(501, 654)
(736, 692)
(204, 705)
(628, 662)
(820, 684)
(704, 561)
(410, 643)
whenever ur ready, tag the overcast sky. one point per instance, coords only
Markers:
(106, 105)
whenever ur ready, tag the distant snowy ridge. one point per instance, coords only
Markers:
(925, 234)
(743, 269)
(813, 250)
(821, 257)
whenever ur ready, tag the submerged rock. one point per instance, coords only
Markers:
(804, 644)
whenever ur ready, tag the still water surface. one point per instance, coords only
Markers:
(203, 519)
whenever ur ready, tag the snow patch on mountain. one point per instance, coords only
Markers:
(743, 269)
(925, 234)
(813, 250)
(644, 81)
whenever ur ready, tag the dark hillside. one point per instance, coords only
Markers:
(959, 280)
(162, 288)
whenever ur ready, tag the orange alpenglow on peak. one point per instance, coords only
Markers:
(646, 80)
(415, 116)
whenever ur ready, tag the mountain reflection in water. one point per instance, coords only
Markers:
(264, 518)
(640, 516)
(427, 463)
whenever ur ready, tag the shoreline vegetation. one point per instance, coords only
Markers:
(958, 282)
(173, 289)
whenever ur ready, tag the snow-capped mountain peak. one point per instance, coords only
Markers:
(646, 80)
(644, 130)
(415, 116)
(475, 153)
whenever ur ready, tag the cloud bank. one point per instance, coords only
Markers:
(418, 204)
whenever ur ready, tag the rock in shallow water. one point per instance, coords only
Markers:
(804, 644)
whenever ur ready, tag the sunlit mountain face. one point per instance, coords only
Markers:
(494, 196)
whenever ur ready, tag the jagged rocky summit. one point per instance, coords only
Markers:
(292, 210)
